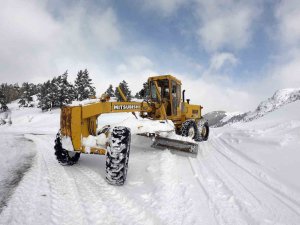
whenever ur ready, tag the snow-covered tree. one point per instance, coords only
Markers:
(56, 93)
(125, 89)
(3, 102)
(83, 86)
(110, 91)
(45, 102)
(27, 90)
(11, 92)
(65, 91)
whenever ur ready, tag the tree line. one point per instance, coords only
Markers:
(142, 94)
(59, 91)
(53, 93)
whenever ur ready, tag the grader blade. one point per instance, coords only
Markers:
(166, 142)
(172, 144)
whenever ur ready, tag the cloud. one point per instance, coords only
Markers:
(287, 14)
(26, 39)
(163, 7)
(135, 70)
(37, 44)
(226, 24)
(215, 93)
(219, 60)
(284, 69)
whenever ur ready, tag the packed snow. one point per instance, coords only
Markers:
(246, 173)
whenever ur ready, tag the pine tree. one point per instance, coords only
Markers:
(144, 92)
(45, 102)
(125, 89)
(16, 92)
(55, 93)
(11, 92)
(137, 95)
(65, 91)
(110, 91)
(3, 102)
(83, 86)
(27, 91)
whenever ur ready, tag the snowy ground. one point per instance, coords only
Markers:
(247, 173)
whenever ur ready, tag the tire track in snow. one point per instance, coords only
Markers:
(221, 199)
(30, 202)
(120, 208)
(80, 184)
(254, 172)
(172, 197)
(19, 163)
(260, 175)
(249, 205)
(65, 205)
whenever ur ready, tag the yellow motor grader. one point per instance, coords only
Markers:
(166, 104)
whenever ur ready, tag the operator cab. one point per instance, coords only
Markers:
(169, 89)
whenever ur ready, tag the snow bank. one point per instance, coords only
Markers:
(32, 120)
(16, 157)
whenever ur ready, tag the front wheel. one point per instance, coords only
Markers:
(117, 155)
(189, 129)
(64, 157)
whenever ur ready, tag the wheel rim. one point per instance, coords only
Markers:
(191, 132)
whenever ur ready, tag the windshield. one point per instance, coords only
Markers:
(153, 91)
(163, 88)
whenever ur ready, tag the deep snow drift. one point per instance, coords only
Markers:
(247, 173)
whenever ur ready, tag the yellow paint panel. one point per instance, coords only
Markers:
(169, 77)
(95, 109)
(76, 127)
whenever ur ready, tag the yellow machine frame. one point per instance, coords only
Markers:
(80, 121)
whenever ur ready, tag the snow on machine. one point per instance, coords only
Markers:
(78, 127)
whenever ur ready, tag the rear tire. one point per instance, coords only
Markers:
(197, 131)
(64, 157)
(203, 128)
(117, 156)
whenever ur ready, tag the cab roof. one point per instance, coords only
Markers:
(162, 77)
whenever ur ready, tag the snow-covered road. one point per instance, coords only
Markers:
(245, 174)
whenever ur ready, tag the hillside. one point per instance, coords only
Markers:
(279, 99)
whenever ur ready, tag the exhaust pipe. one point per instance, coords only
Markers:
(183, 96)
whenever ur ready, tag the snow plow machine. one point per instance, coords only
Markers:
(166, 104)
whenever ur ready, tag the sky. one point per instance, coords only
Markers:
(229, 54)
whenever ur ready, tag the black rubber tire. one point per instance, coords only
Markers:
(204, 135)
(62, 155)
(117, 155)
(186, 126)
